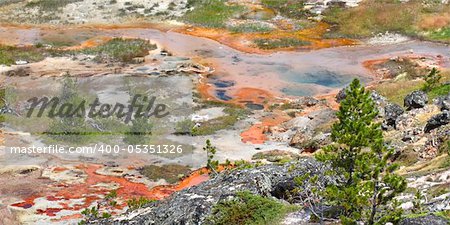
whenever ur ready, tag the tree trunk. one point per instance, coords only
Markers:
(374, 203)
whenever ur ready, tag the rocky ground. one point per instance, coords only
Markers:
(240, 103)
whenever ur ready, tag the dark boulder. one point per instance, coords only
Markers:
(437, 121)
(415, 100)
(391, 113)
(429, 219)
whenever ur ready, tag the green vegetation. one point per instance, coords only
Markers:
(289, 8)
(265, 43)
(50, 5)
(211, 150)
(359, 155)
(9, 54)
(308, 190)
(396, 91)
(248, 209)
(72, 129)
(242, 164)
(184, 127)
(374, 17)
(432, 80)
(90, 213)
(442, 34)
(444, 214)
(414, 18)
(140, 132)
(250, 28)
(439, 91)
(445, 147)
(234, 114)
(171, 173)
(211, 13)
(121, 50)
(137, 203)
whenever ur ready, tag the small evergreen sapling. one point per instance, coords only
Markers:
(432, 80)
(361, 160)
(211, 150)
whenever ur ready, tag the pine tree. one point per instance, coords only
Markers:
(432, 80)
(211, 150)
(360, 159)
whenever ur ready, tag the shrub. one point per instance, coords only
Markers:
(184, 127)
(247, 208)
(432, 80)
(137, 203)
(211, 150)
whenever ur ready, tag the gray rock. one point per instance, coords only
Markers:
(415, 99)
(19, 71)
(341, 95)
(194, 204)
(425, 220)
(443, 102)
(391, 113)
(437, 121)
(303, 141)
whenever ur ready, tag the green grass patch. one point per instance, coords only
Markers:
(396, 91)
(416, 215)
(211, 13)
(440, 34)
(50, 5)
(439, 91)
(121, 50)
(247, 208)
(445, 214)
(250, 28)
(375, 17)
(264, 43)
(289, 8)
(171, 173)
(209, 127)
(9, 55)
